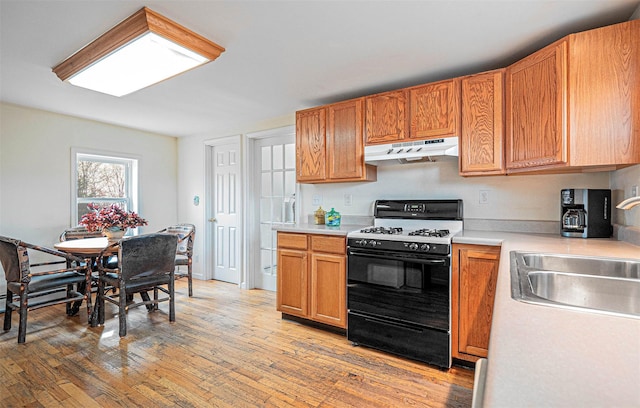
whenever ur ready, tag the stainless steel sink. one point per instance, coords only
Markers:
(596, 284)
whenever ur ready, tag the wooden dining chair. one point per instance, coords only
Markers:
(186, 234)
(32, 286)
(145, 263)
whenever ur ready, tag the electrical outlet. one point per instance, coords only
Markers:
(634, 191)
(484, 197)
(348, 198)
(317, 200)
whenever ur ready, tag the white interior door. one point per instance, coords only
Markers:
(227, 208)
(275, 173)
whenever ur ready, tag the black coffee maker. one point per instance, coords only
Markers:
(585, 213)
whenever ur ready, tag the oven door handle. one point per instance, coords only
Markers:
(405, 258)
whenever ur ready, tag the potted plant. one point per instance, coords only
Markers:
(112, 220)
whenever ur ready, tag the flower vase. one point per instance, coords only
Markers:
(113, 235)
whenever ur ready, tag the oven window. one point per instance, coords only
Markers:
(396, 273)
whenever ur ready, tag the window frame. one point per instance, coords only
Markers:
(132, 176)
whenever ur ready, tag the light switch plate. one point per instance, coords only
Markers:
(348, 200)
(316, 200)
(634, 191)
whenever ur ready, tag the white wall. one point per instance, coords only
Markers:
(191, 181)
(35, 170)
(510, 197)
(621, 183)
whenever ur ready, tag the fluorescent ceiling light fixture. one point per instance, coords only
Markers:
(142, 50)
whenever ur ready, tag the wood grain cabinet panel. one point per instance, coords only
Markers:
(311, 153)
(312, 283)
(473, 286)
(330, 144)
(604, 103)
(292, 281)
(434, 110)
(575, 105)
(345, 142)
(386, 117)
(329, 289)
(536, 89)
(481, 146)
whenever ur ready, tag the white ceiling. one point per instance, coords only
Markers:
(281, 56)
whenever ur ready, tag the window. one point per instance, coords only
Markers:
(103, 180)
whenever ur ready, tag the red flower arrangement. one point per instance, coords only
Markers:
(111, 217)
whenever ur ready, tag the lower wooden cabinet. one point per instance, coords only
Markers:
(312, 277)
(473, 287)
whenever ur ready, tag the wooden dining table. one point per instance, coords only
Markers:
(86, 247)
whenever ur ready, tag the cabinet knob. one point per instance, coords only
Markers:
(212, 219)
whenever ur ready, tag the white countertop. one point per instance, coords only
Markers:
(541, 356)
(343, 229)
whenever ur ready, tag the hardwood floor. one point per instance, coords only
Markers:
(228, 348)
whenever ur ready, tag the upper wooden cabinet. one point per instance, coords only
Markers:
(604, 98)
(434, 110)
(329, 144)
(536, 89)
(311, 154)
(481, 145)
(575, 104)
(386, 117)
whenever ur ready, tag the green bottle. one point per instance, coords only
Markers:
(333, 218)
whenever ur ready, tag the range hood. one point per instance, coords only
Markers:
(411, 152)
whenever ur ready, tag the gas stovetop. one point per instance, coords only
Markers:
(411, 222)
(440, 234)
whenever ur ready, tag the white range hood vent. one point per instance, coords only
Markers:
(411, 152)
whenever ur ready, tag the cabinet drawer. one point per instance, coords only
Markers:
(324, 243)
(294, 241)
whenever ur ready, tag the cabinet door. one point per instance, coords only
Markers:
(311, 145)
(481, 133)
(434, 110)
(536, 99)
(328, 289)
(474, 278)
(345, 144)
(292, 296)
(604, 81)
(385, 117)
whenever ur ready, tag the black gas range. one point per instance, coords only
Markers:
(399, 274)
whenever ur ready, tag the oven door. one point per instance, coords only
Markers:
(406, 287)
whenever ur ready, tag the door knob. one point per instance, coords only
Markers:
(212, 220)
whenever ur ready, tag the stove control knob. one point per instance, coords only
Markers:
(424, 247)
(413, 246)
(361, 242)
(373, 243)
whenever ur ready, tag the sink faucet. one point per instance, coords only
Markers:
(629, 203)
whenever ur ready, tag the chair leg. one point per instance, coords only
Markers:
(189, 277)
(24, 308)
(172, 303)
(145, 298)
(73, 307)
(8, 310)
(122, 312)
(86, 290)
(155, 298)
(99, 313)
